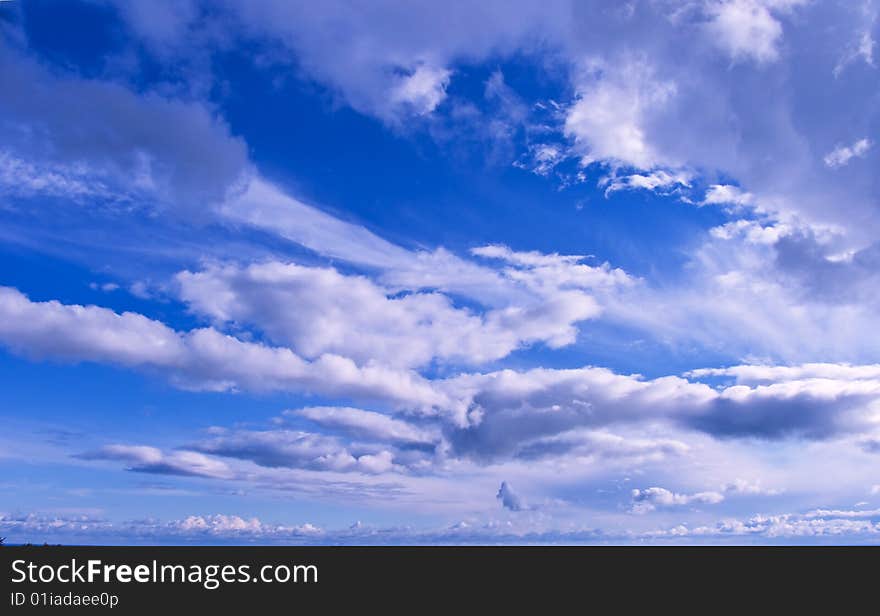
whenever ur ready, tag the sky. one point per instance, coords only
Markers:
(439, 272)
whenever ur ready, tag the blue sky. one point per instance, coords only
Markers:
(428, 272)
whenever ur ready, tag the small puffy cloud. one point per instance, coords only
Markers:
(657, 181)
(751, 231)
(747, 29)
(651, 498)
(509, 498)
(106, 287)
(842, 155)
(726, 194)
(747, 488)
(542, 158)
(422, 90)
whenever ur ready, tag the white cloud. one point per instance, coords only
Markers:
(590, 445)
(296, 449)
(85, 332)
(776, 289)
(354, 317)
(363, 424)
(725, 194)
(608, 120)
(714, 121)
(649, 499)
(265, 206)
(756, 288)
(553, 272)
(200, 359)
(752, 374)
(38, 527)
(23, 178)
(743, 487)
(751, 231)
(541, 159)
(498, 412)
(508, 410)
(659, 181)
(852, 524)
(261, 204)
(842, 155)
(152, 460)
(422, 90)
(747, 28)
(375, 57)
(724, 266)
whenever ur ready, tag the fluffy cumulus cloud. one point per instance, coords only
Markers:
(507, 410)
(199, 359)
(319, 310)
(614, 103)
(147, 459)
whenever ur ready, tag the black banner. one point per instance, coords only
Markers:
(155, 580)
